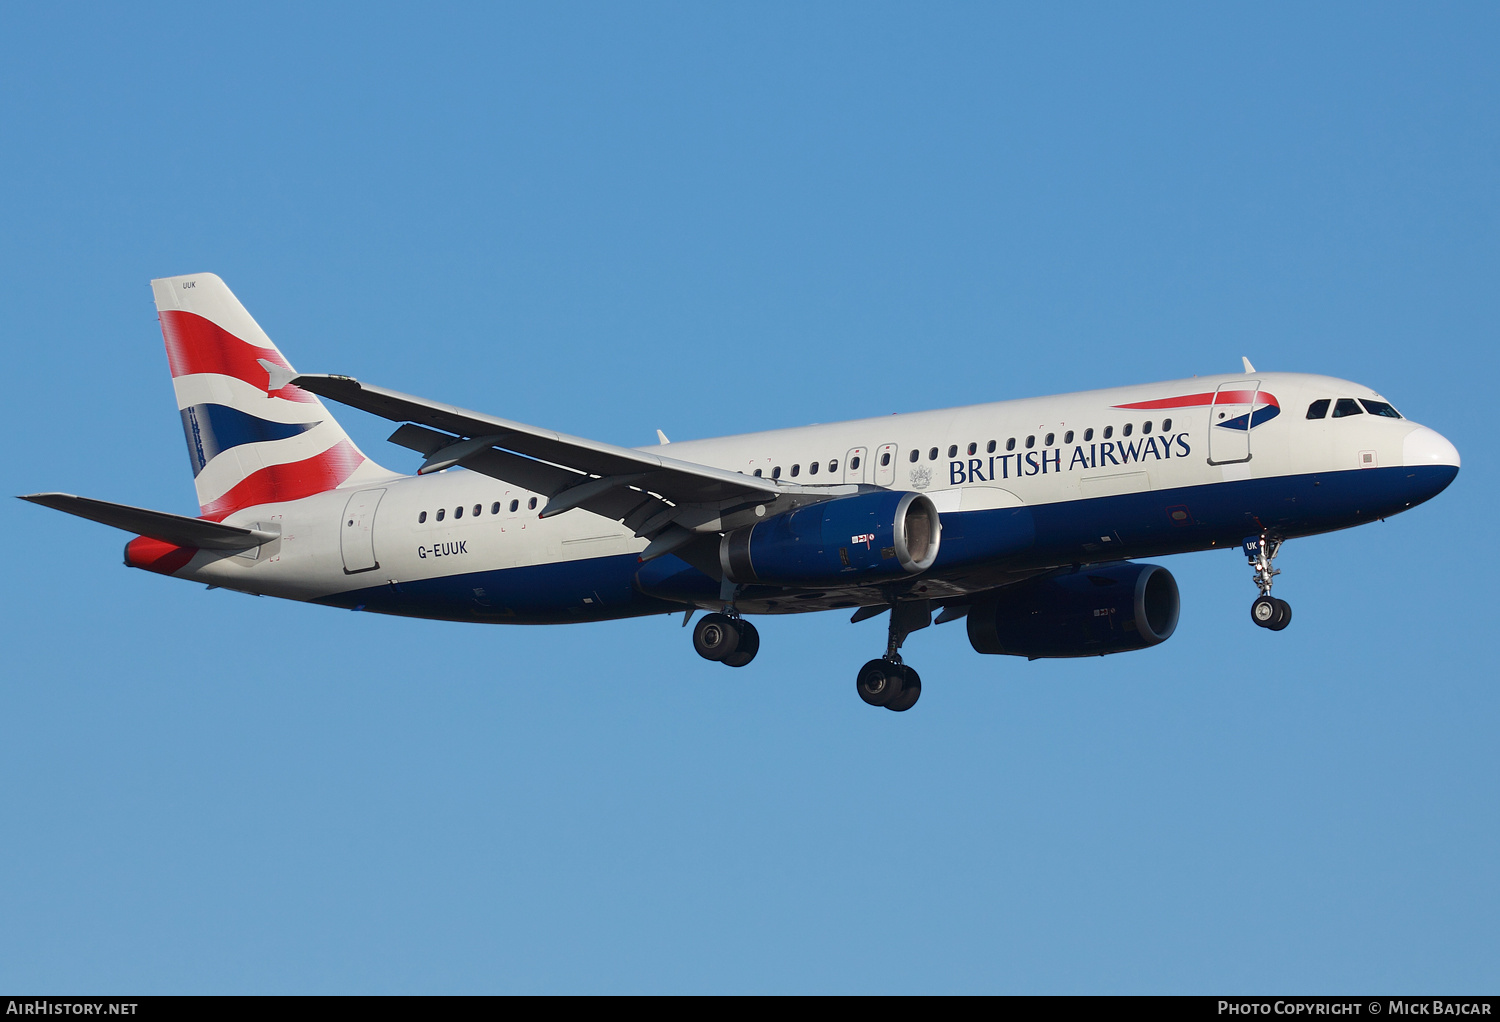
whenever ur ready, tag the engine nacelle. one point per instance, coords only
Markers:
(844, 540)
(1105, 609)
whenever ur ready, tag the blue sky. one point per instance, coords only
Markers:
(611, 218)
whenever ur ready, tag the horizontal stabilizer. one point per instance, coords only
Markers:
(178, 529)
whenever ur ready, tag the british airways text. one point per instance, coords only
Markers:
(1022, 464)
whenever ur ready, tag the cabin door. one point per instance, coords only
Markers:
(1229, 422)
(357, 532)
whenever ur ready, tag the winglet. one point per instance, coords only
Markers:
(276, 376)
(1248, 367)
(662, 437)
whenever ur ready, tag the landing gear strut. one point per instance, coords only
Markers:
(1267, 611)
(888, 682)
(727, 637)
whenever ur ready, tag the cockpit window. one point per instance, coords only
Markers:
(1347, 406)
(1380, 408)
(1318, 409)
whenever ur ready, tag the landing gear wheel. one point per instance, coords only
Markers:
(716, 637)
(1264, 612)
(748, 647)
(880, 682)
(1283, 616)
(911, 691)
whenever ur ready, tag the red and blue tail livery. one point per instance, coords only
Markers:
(1028, 520)
(249, 445)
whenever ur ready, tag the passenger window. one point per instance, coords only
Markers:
(1380, 408)
(833, 465)
(1146, 427)
(854, 463)
(1088, 434)
(796, 471)
(478, 510)
(1128, 427)
(1030, 442)
(812, 469)
(989, 448)
(441, 511)
(953, 451)
(1068, 437)
(1109, 431)
(915, 454)
(776, 472)
(885, 458)
(514, 505)
(1319, 408)
(973, 448)
(421, 517)
(531, 504)
(1166, 424)
(458, 512)
(757, 472)
(495, 508)
(1010, 444)
(1346, 406)
(932, 454)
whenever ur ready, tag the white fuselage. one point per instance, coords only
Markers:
(1028, 453)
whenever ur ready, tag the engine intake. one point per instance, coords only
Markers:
(1108, 608)
(847, 539)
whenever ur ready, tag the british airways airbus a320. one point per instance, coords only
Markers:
(1025, 517)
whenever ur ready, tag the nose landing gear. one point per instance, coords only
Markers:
(1267, 611)
(888, 682)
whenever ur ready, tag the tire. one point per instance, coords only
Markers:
(1264, 611)
(911, 691)
(1283, 616)
(716, 637)
(879, 682)
(748, 647)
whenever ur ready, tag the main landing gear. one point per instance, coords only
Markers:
(727, 637)
(1267, 611)
(888, 682)
(729, 640)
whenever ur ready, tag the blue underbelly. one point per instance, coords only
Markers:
(1153, 523)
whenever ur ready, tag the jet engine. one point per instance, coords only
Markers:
(1109, 608)
(847, 540)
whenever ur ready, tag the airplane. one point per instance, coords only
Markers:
(1025, 518)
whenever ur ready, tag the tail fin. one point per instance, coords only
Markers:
(250, 441)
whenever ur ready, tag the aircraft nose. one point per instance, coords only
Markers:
(1427, 447)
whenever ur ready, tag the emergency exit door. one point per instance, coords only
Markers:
(885, 465)
(856, 465)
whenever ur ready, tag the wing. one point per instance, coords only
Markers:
(661, 498)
